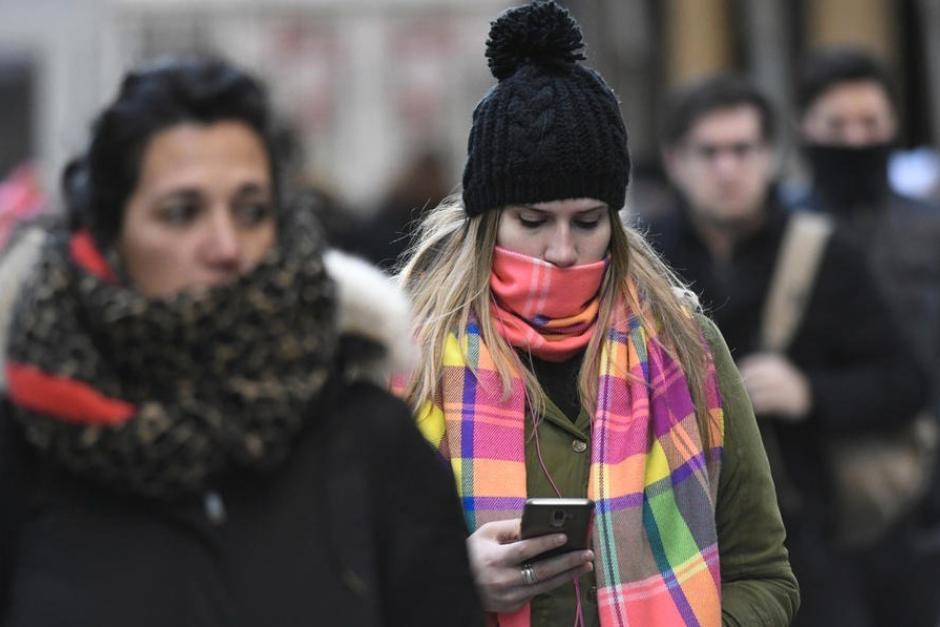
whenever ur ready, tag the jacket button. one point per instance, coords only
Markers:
(578, 446)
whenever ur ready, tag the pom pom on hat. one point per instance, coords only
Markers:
(551, 128)
(541, 32)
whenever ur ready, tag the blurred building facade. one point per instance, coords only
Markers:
(366, 84)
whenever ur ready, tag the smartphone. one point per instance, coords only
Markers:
(572, 517)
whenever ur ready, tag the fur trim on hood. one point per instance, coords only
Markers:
(374, 311)
(17, 261)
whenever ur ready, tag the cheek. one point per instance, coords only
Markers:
(697, 183)
(816, 127)
(158, 261)
(138, 241)
(596, 245)
(513, 236)
(256, 244)
(763, 173)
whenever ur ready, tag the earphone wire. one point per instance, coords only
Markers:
(579, 611)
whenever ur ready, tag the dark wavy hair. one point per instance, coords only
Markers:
(689, 103)
(152, 98)
(828, 67)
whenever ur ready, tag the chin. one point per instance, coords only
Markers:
(732, 219)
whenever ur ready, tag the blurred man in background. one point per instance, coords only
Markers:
(848, 127)
(846, 369)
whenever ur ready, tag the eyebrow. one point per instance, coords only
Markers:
(194, 193)
(184, 192)
(582, 211)
(253, 188)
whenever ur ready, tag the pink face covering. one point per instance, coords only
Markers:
(538, 306)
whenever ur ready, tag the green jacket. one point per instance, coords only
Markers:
(757, 585)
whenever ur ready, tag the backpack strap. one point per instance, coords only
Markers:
(798, 260)
(791, 286)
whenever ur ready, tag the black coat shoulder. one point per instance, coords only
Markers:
(361, 526)
(424, 566)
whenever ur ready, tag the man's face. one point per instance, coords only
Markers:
(724, 165)
(852, 114)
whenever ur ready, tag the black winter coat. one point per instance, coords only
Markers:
(862, 373)
(901, 238)
(362, 527)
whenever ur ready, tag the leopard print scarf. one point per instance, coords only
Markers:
(157, 396)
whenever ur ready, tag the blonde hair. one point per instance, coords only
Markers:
(447, 275)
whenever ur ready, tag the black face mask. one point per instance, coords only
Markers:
(849, 177)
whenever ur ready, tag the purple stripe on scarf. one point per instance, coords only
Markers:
(618, 336)
(605, 506)
(682, 603)
(493, 503)
(658, 547)
(466, 443)
(688, 468)
(635, 499)
(466, 416)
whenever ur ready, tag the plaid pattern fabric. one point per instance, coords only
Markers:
(654, 486)
(549, 310)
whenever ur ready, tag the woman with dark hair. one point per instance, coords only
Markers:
(188, 436)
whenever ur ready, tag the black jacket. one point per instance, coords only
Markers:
(862, 374)
(901, 238)
(360, 527)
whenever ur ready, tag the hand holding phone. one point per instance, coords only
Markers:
(499, 555)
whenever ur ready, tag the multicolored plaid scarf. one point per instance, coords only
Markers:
(548, 310)
(654, 486)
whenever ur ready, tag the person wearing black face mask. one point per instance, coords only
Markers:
(851, 181)
(848, 127)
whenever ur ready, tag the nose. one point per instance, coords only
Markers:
(725, 163)
(223, 248)
(561, 250)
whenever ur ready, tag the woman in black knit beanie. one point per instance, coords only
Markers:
(561, 358)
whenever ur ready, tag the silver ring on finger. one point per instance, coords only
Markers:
(528, 575)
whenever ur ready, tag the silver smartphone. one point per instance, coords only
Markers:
(572, 517)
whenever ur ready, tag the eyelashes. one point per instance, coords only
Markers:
(252, 214)
(584, 225)
(183, 213)
(587, 225)
(178, 213)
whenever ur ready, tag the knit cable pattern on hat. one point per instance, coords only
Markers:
(550, 129)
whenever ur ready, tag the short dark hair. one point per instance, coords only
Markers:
(153, 98)
(687, 104)
(828, 67)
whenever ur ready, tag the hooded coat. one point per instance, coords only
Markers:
(360, 525)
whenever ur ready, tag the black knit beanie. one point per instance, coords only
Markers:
(550, 129)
